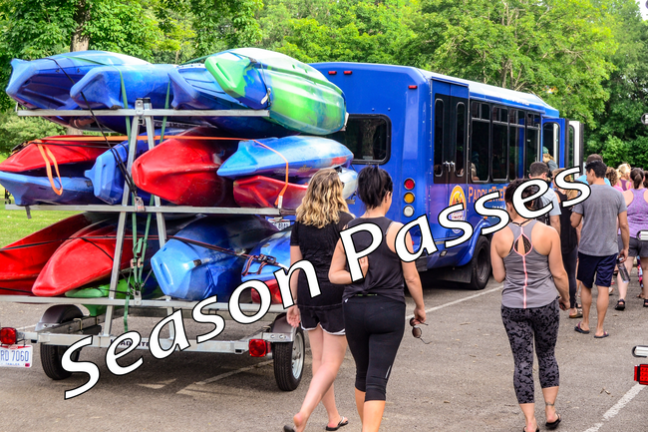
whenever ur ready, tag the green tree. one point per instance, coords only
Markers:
(557, 49)
(16, 130)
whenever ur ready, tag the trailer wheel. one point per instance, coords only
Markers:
(51, 355)
(289, 362)
(480, 265)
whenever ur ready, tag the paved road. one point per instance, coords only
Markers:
(461, 382)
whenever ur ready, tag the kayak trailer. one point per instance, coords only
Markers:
(64, 324)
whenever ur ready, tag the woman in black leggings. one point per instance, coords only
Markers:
(526, 256)
(374, 308)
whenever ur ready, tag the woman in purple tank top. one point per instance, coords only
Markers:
(636, 200)
(526, 255)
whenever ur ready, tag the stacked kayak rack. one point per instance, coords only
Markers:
(63, 324)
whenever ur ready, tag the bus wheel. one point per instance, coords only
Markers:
(480, 265)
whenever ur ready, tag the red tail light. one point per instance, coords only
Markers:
(259, 347)
(412, 87)
(641, 374)
(332, 72)
(275, 294)
(8, 336)
(409, 184)
(348, 72)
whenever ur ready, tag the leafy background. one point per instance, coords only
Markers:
(585, 57)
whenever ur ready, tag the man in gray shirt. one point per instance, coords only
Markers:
(540, 170)
(598, 248)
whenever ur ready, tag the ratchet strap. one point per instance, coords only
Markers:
(49, 158)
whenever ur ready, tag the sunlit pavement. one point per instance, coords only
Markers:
(462, 381)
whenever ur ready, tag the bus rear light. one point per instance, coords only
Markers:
(412, 87)
(348, 72)
(259, 347)
(408, 211)
(409, 197)
(409, 184)
(8, 336)
(332, 72)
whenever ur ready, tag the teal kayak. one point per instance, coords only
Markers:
(297, 95)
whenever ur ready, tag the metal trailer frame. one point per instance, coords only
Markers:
(287, 342)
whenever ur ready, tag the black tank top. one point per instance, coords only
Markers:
(568, 235)
(385, 274)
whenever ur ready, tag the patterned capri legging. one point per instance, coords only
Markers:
(522, 327)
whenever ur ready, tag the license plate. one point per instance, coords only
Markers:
(16, 356)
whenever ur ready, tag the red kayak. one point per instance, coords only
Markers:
(22, 261)
(85, 258)
(261, 191)
(56, 149)
(183, 171)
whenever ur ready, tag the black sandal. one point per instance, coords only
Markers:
(553, 425)
(646, 303)
(343, 422)
(620, 306)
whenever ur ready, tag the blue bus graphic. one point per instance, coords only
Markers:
(446, 141)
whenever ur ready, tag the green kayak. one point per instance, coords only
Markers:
(298, 96)
(151, 290)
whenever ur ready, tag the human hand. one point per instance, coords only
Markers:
(364, 265)
(419, 315)
(564, 303)
(293, 316)
(623, 255)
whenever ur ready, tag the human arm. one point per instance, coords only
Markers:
(497, 263)
(293, 311)
(625, 235)
(557, 269)
(413, 281)
(575, 219)
(555, 223)
(338, 274)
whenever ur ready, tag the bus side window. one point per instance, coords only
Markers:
(515, 148)
(479, 147)
(500, 141)
(438, 137)
(532, 148)
(460, 152)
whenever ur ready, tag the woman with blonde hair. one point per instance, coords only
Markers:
(612, 175)
(320, 218)
(624, 176)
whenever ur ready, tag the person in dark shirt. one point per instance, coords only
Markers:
(320, 218)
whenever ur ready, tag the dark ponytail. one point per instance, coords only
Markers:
(637, 177)
(373, 185)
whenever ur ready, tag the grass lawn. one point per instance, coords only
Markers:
(14, 225)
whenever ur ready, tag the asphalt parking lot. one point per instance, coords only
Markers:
(462, 381)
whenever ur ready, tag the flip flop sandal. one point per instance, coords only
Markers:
(604, 335)
(524, 430)
(288, 429)
(646, 303)
(343, 422)
(577, 315)
(580, 330)
(553, 425)
(620, 305)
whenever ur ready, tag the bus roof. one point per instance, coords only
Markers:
(478, 91)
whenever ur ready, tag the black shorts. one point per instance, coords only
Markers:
(637, 248)
(331, 318)
(602, 267)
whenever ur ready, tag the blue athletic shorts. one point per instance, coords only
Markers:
(601, 267)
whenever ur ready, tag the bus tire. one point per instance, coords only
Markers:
(51, 355)
(289, 361)
(480, 265)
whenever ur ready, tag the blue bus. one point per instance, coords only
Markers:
(446, 141)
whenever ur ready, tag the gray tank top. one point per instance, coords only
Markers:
(528, 282)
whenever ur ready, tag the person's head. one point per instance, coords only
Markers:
(624, 171)
(571, 193)
(637, 177)
(375, 188)
(539, 170)
(612, 176)
(595, 170)
(646, 178)
(510, 190)
(323, 201)
(593, 157)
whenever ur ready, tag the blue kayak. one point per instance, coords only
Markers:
(46, 83)
(29, 190)
(195, 88)
(108, 180)
(276, 246)
(306, 155)
(192, 272)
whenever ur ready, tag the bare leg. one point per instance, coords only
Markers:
(373, 412)
(329, 350)
(623, 286)
(602, 303)
(550, 394)
(360, 397)
(528, 410)
(586, 298)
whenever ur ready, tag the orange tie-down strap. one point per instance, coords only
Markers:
(45, 141)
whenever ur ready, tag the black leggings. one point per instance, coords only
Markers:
(522, 325)
(374, 329)
(570, 260)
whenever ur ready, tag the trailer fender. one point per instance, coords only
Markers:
(53, 316)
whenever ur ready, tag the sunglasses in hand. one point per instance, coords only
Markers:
(417, 331)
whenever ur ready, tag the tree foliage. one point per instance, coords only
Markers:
(16, 130)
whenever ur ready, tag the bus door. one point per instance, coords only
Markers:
(574, 149)
(553, 141)
(447, 173)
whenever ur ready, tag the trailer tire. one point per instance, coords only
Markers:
(480, 265)
(289, 361)
(51, 355)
